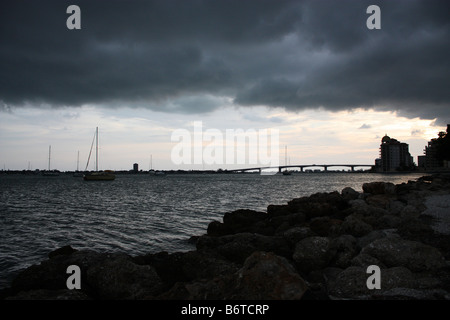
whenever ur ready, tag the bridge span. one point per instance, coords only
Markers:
(303, 166)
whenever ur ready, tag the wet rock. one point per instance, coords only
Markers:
(379, 200)
(412, 294)
(325, 226)
(120, 278)
(240, 219)
(274, 210)
(43, 294)
(205, 265)
(413, 255)
(238, 247)
(66, 250)
(345, 248)
(287, 221)
(295, 234)
(409, 212)
(217, 229)
(52, 274)
(263, 276)
(362, 208)
(415, 229)
(267, 276)
(375, 235)
(387, 221)
(349, 194)
(319, 204)
(364, 260)
(379, 188)
(352, 282)
(313, 253)
(355, 226)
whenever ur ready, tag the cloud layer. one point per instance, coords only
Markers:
(193, 56)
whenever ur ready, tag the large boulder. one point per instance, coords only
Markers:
(120, 278)
(355, 226)
(313, 253)
(240, 246)
(295, 234)
(352, 282)
(413, 255)
(319, 204)
(263, 276)
(267, 276)
(52, 274)
(346, 249)
(379, 188)
(349, 194)
(240, 221)
(325, 226)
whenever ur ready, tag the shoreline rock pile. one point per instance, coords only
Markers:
(316, 247)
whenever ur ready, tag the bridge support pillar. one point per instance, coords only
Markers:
(353, 168)
(325, 168)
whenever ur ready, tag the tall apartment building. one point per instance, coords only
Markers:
(430, 158)
(394, 155)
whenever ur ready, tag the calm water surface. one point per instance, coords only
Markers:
(139, 214)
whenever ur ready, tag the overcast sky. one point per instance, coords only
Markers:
(141, 69)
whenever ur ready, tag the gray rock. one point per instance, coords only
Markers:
(349, 194)
(375, 235)
(364, 260)
(263, 276)
(267, 276)
(379, 188)
(410, 212)
(346, 249)
(413, 255)
(355, 226)
(295, 234)
(352, 282)
(313, 253)
(43, 294)
(413, 294)
(238, 247)
(119, 278)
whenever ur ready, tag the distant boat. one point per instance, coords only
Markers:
(97, 175)
(50, 173)
(286, 172)
(78, 173)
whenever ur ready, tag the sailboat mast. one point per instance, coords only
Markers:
(96, 149)
(285, 155)
(49, 152)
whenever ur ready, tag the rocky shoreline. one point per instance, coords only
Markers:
(317, 247)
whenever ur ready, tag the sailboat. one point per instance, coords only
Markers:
(78, 173)
(97, 175)
(286, 172)
(50, 173)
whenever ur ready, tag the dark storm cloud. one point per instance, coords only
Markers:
(292, 54)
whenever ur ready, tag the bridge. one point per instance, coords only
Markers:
(303, 166)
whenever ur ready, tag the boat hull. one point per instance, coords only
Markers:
(99, 176)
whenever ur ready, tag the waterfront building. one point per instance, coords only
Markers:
(430, 159)
(394, 155)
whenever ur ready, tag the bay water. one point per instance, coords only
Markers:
(139, 213)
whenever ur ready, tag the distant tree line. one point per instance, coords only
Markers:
(443, 145)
